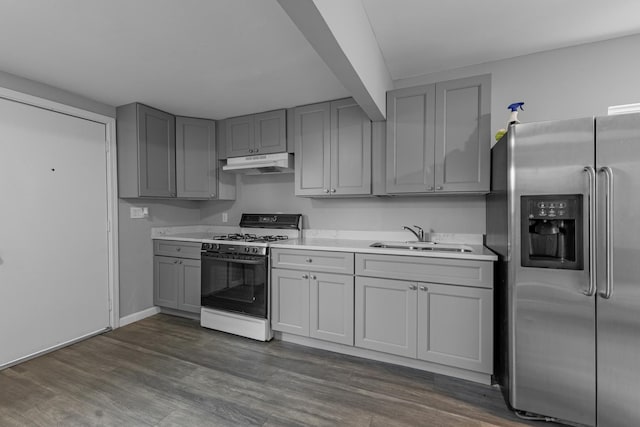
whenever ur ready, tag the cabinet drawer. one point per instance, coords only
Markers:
(177, 248)
(323, 261)
(422, 269)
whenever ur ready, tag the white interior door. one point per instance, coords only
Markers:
(54, 259)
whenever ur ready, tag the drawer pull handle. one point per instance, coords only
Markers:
(424, 288)
(313, 277)
(305, 276)
(413, 287)
(308, 260)
(178, 249)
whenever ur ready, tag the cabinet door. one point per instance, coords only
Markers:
(410, 140)
(455, 326)
(239, 136)
(290, 301)
(196, 164)
(312, 139)
(156, 152)
(189, 285)
(386, 315)
(463, 140)
(270, 132)
(166, 276)
(331, 307)
(350, 149)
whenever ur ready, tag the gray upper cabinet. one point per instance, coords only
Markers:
(163, 156)
(262, 133)
(411, 140)
(463, 140)
(312, 138)
(438, 137)
(333, 149)
(239, 136)
(146, 152)
(270, 132)
(196, 163)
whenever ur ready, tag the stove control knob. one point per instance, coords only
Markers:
(247, 249)
(255, 250)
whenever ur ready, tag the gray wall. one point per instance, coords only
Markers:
(275, 193)
(565, 83)
(136, 247)
(41, 90)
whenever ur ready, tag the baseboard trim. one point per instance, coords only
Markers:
(132, 318)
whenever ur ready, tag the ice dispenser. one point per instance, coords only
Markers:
(551, 231)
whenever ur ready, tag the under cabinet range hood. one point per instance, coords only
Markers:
(260, 164)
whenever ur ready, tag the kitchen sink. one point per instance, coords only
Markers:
(423, 246)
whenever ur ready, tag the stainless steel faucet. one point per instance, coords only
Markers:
(419, 234)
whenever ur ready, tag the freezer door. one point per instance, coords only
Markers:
(553, 321)
(618, 322)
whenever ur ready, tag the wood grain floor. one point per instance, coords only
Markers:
(168, 371)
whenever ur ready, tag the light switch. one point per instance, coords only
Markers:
(225, 217)
(138, 212)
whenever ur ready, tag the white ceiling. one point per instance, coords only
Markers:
(419, 37)
(220, 58)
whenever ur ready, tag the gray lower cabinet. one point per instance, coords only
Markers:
(445, 324)
(435, 309)
(312, 294)
(386, 316)
(333, 149)
(253, 134)
(146, 152)
(455, 326)
(176, 275)
(196, 162)
(438, 137)
(314, 304)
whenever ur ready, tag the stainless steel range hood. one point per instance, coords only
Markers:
(260, 164)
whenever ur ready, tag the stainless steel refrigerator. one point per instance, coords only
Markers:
(564, 217)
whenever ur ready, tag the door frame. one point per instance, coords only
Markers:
(112, 184)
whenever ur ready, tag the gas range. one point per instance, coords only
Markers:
(235, 274)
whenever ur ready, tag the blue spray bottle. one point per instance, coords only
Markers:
(513, 117)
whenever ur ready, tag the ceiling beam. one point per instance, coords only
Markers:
(341, 34)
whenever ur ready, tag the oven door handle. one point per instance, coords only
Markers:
(235, 260)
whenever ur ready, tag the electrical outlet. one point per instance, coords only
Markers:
(225, 217)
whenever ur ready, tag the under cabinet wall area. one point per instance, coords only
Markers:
(163, 156)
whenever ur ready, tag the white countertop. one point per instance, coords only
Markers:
(480, 253)
(342, 241)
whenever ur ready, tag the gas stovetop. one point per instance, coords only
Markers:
(256, 232)
(249, 238)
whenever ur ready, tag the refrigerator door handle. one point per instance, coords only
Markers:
(608, 173)
(591, 173)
